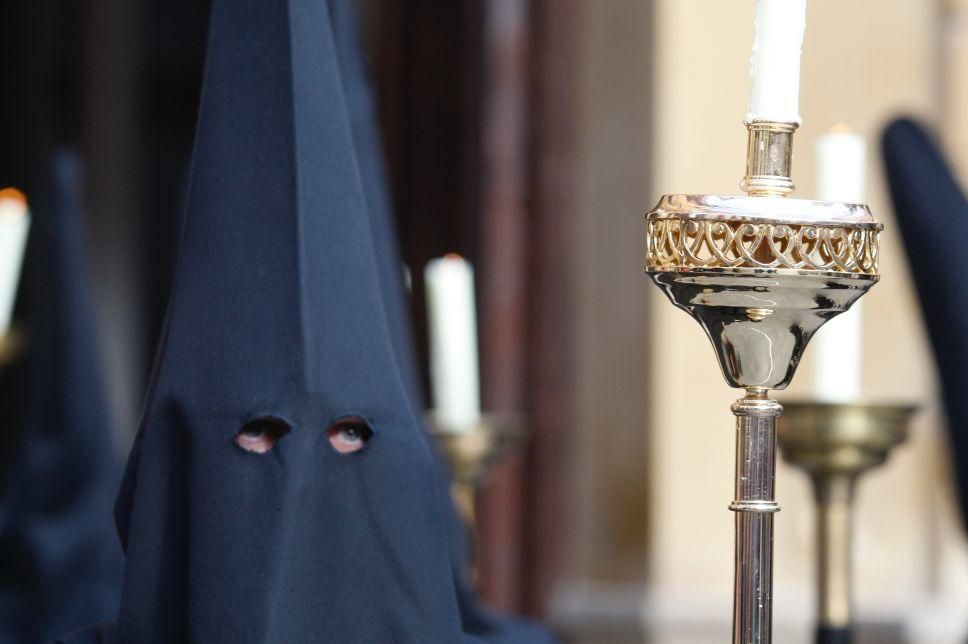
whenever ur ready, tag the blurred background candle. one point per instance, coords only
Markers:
(841, 165)
(775, 64)
(14, 224)
(452, 323)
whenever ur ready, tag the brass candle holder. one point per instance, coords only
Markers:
(835, 444)
(761, 273)
(472, 453)
(12, 344)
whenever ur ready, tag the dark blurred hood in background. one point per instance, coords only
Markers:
(61, 563)
(932, 213)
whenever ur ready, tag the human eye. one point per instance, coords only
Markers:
(261, 435)
(348, 435)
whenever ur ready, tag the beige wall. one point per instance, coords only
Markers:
(606, 575)
(612, 353)
(861, 65)
(954, 86)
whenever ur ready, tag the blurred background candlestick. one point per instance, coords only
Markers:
(452, 324)
(472, 452)
(836, 444)
(841, 165)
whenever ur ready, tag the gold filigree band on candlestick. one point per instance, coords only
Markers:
(687, 244)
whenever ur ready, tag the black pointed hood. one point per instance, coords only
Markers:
(277, 312)
(932, 213)
(62, 562)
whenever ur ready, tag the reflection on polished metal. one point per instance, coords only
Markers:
(760, 321)
(835, 444)
(473, 451)
(760, 273)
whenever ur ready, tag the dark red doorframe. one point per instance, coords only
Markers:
(478, 103)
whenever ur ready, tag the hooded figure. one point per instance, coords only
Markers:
(360, 108)
(61, 563)
(932, 213)
(281, 488)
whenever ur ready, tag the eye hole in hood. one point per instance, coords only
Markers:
(261, 435)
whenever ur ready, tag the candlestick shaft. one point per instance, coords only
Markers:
(834, 495)
(754, 506)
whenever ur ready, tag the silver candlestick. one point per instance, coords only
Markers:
(761, 273)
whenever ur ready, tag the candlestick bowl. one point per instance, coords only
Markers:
(473, 451)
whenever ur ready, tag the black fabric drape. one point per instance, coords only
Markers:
(932, 213)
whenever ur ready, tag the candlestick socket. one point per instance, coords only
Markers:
(769, 159)
(472, 451)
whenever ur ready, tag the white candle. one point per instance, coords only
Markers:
(775, 64)
(452, 323)
(14, 224)
(841, 166)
